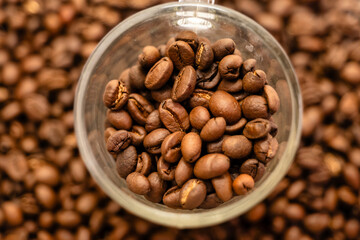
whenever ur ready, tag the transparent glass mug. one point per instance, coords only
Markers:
(118, 50)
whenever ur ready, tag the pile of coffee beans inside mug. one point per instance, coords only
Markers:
(191, 123)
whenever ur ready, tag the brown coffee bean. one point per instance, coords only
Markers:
(45, 195)
(257, 128)
(248, 66)
(153, 141)
(255, 107)
(199, 116)
(204, 56)
(294, 212)
(108, 132)
(215, 147)
(47, 174)
(254, 82)
(138, 183)
(223, 186)
(36, 107)
(243, 184)
(118, 141)
(12, 213)
(192, 194)
(222, 104)
(124, 78)
(116, 95)
(254, 168)
(183, 172)
(165, 170)
(153, 121)
(223, 47)
(126, 161)
(237, 127)
(144, 164)
(162, 94)
(213, 129)
(119, 119)
(86, 203)
(149, 56)
(316, 222)
(352, 228)
(83, 233)
(191, 147)
(229, 67)
(231, 86)
(137, 135)
(237, 147)
(200, 97)
(211, 201)
(170, 147)
(174, 116)
(184, 84)
(171, 197)
(181, 54)
(189, 37)
(265, 149)
(68, 218)
(208, 78)
(211, 165)
(272, 99)
(139, 108)
(352, 175)
(137, 77)
(157, 188)
(159, 74)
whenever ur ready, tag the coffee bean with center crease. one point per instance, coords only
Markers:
(157, 188)
(257, 128)
(254, 168)
(272, 99)
(118, 141)
(265, 149)
(119, 119)
(255, 106)
(183, 172)
(171, 197)
(138, 183)
(153, 140)
(139, 108)
(189, 37)
(200, 97)
(248, 66)
(204, 56)
(211, 201)
(213, 129)
(237, 147)
(191, 147)
(143, 164)
(115, 95)
(215, 147)
(162, 94)
(211, 165)
(208, 78)
(181, 54)
(223, 47)
(192, 194)
(231, 86)
(184, 84)
(165, 170)
(254, 82)
(159, 74)
(137, 77)
(153, 121)
(126, 161)
(237, 127)
(124, 78)
(199, 116)
(223, 186)
(149, 56)
(243, 184)
(137, 135)
(229, 67)
(174, 116)
(222, 104)
(170, 147)
(108, 132)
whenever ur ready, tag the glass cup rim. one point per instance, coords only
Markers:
(185, 219)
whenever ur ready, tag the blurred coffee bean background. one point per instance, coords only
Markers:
(46, 192)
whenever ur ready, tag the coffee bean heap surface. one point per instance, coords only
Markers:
(190, 125)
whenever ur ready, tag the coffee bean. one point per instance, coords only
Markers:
(159, 74)
(138, 183)
(165, 170)
(255, 107)
(204, 56)
(137, 77)
(171, 197)
(248, 66)
(223, 186)
(68, 218)
(215, 147)
(153, 141)
(144, 164)
(237, 127)
(181, 54)
(229, 67)
(243, 184)
(149, 56)
(157, 188)
(254, 168)
(213, 129)
(223, 47)
(211, 165)
(139, 108)
(294, 212)
(192, 194)
(118, 141)
(183, 172)
(211, 201)
(124, 79)
(47, 174)
(170, 148)
(119, 119)
(174, 116)
(184, 84)
(199, 116)
(272, 99)
(254, 82)
(137, 135)
(237, 147)
(36, 107)
(153, 121)
(162, 94)
(257, 128)
(86, 203)
(108, 132)
(208, 78)
(189, 37)
(45, 195)
(126, 161)
(222, 104)
(316, 222)
(12, 213)
(230, 86)
(200, 97)
(265, 149)
(115, 95)
(191, 147)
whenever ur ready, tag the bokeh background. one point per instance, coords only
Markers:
(46, 192)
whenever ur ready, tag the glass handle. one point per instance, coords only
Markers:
(198, 1)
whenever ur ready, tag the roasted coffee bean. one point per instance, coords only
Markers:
(237, 127)
(237, 147)
(86, 203)
(115, 95)
(12, 213)
(45, 196)
(223, 186)
(171, 197)
(257, 128)
(248, 66)
(181, 54)
(165, 170)
(139, 108)
(137, 77)
(231, 86)
(124, 78)
(143, 164)
(222, 104)
(157, 188)
(215, 147)
(36, 107)
(213, 129)
(200, 97)
(118, 141)
(189, 37)
(174, 116)
(184, 84)
(229, 67)
(108, 132)
(183, 172)
(272, 99)
(137, 135)
(138, 183)
(159, 74)
(208, 78)
(254, 168)
(162, 94)
(255, 107)
(153, 140)
(211, 201)
(153, 121)
(243, 184)
(149, 56)
(254, 82)
(119, 119)
(126, 161)
(223, 47)
(199, 116)
(192, 194)
(170, 147)
(265, 149)
(211, 165)
(204, 56)
(191, 147)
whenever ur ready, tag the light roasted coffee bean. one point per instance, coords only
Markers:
(137, 77)
(222, 104)
(272, 99)
(137, 135)
(255, 107)
(119, 119)
(223, 186)
(229, 67)
(257, 128)
(138, 183)
(153, 140)
(149, 56)
(265, 149)
(166, 170)
(236, 147)
(170, 147)
(126, 161)
(248, 66)
(198, 117)
(254, 82)
(157, 188)
(192, 194)
(204, 56)
(243, 184)
(189, 37)
(159, 74)
(118, 141)
(171, 197)
(184, 84)
(144, 163)
(213, 129)
(223, 47)
(115, 95)
(191, 147)
(211, 165)
(153, 121)
(181, 54)
(139, 108)
(183, 172)
(200, 97)
(174, 116)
